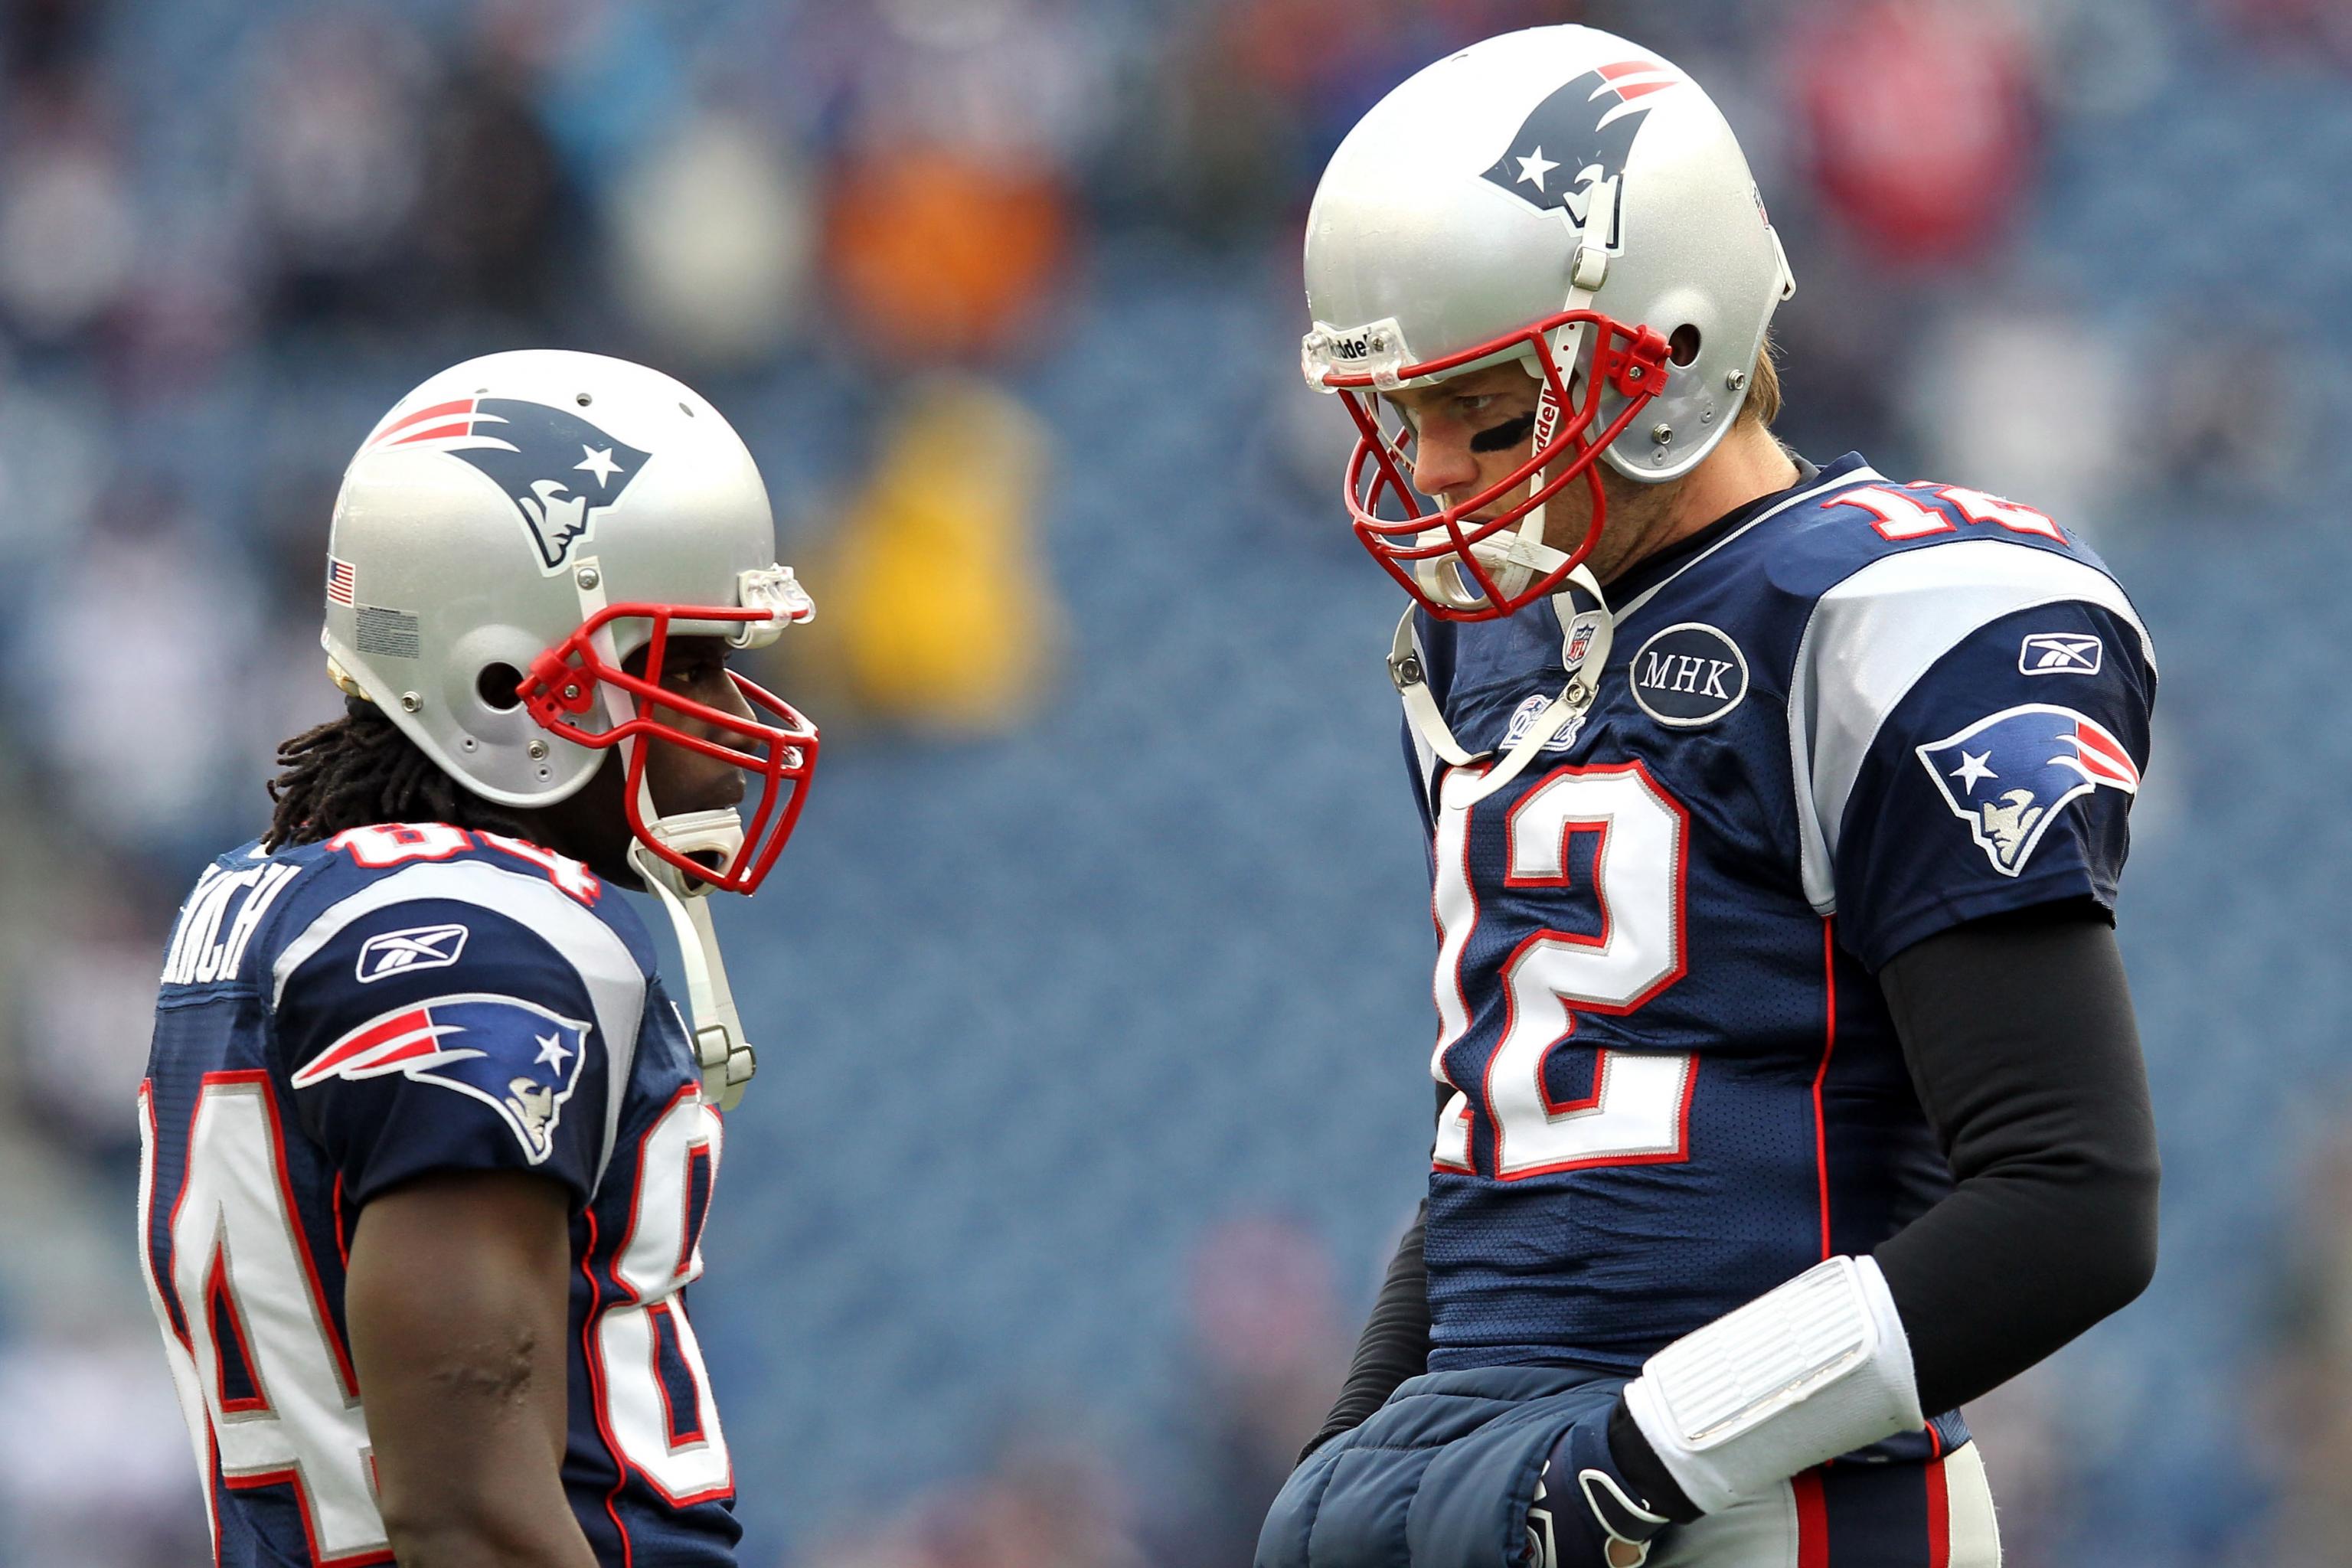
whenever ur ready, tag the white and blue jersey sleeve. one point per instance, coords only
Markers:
(456, 1016)
(1967, 724)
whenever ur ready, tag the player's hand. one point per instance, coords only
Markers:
(1585, 1514)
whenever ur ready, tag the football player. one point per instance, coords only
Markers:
(428, 1147)
(1790, 1094)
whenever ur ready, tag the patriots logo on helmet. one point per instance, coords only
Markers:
(515, 1057)
(1580, 136)
(557, 469)
(2008, 775)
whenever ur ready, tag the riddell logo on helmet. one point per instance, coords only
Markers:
(1358, 347)
(1547, 418)
(542, 457)
(1579, 137)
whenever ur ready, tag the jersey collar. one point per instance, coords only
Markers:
(1652, 570)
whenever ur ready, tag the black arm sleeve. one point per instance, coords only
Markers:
(2019, 1033)
(2022, 1044)
(1395, 1343)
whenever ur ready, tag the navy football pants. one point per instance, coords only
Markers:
(1440, 1477)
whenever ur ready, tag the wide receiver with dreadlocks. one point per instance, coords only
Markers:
(1789, 1092)
(426, 1149)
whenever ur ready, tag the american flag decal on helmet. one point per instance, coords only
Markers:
(343, 583)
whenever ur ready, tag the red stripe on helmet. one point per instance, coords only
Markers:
(464, 405)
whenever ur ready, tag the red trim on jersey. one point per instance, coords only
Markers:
(379, 844)
(1813, 1521)
(1940, 1518)
(174, 1312)
(690, 1232)
(659, 1320)
(1468, 1117)
(1678, 1154)
(1569, 828)
(260, 1076)
(1681, 1151)
(221, 1305)
(290, 1478)
(588, 1351)
(343, 1231)
(1829, 1043)
(726, 1487)
(150, 1149)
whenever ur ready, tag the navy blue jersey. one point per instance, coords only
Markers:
(1845, 718)
(338, 1018)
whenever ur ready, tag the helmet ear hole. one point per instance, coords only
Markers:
(496, 687)
(1683, 344)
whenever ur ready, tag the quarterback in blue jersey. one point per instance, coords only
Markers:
(426, 1145)
(1788, 1091)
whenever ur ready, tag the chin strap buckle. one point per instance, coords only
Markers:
(1589, 627)
(1404, 668)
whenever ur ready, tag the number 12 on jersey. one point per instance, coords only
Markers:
(1636, 1109)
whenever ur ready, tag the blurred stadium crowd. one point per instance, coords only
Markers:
(1093, 994)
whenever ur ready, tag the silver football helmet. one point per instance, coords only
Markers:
(1561, 198)
(513, 532)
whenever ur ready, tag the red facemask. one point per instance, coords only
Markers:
(564, 684)
(1629, 361)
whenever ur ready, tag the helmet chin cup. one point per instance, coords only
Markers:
(1440, 580)
(694, 835)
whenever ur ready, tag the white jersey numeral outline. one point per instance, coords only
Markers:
(1638, 1110)
(235, 1241)
(1900, 514)
(681, 1454)
(380, 847)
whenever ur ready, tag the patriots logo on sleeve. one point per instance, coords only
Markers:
(515, 1057)
(2008, 775)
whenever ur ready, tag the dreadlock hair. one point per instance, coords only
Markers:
(360, 769)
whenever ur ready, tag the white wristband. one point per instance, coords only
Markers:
(1809, 1370)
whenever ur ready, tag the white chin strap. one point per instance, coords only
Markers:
(719, 1048)
(1579, 601)
(725, 1057)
